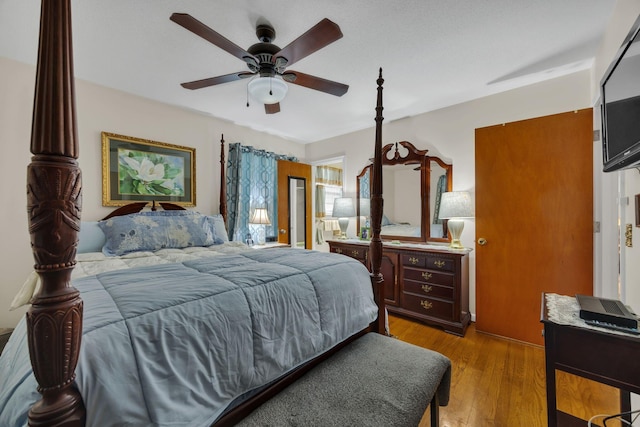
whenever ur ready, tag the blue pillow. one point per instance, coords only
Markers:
(385, 221)
(219, 228)
(151, 231)
(91, 238)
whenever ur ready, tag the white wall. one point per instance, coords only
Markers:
(450, 133)
(99, 109)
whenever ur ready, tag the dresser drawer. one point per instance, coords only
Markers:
(359, 253)
(428, 261)
(429, 306)
(428, 289)
(429, 276)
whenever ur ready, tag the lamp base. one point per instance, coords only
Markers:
(344, 224)
(261, 235)
(455, 228)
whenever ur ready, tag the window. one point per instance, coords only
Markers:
(328, 188)
(331, 192)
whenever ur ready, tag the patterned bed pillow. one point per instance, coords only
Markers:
(151, 231)
(219, 228)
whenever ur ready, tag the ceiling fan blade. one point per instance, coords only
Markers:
(317, 83)
(200, 29)
(212, 81)
(320, 35)
(272, 108)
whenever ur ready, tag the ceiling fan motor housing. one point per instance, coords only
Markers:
(264, 52)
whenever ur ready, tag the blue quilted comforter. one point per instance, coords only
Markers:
(174, 344)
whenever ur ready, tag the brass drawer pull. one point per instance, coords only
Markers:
(413, 260)
(426, 304)
(426, 276)
(338, 250)
(355, 253)
(427, 288)
(439, 263)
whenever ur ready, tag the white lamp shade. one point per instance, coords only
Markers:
(456, 204)
(268, 90)
(260, 216)
(343, 208)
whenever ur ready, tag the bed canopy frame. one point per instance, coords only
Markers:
(54, 204)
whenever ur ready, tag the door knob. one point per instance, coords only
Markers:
(283, 231)
(482, 241)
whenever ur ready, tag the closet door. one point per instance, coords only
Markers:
(534, 214)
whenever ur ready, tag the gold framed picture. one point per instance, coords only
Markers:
(138, 170)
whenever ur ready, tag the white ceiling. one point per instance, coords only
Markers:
(434, 53)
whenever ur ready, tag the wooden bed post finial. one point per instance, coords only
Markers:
(54, 202)
(375, 247)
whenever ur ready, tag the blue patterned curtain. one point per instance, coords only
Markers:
(441, 188)
(252, 178)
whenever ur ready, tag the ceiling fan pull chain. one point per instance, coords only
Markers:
(270, 91)
(247, 96)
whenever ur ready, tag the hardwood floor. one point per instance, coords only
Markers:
(501, 382)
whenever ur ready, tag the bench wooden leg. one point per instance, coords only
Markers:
(435, 411)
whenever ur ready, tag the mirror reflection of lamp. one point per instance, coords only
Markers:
(343, 209)
(260, 217)
(365, 211)
(454, 206)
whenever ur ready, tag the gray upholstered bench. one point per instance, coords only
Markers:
(374, 381)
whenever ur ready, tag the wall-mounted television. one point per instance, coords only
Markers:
(620, 96)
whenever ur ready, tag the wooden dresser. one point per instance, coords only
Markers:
(428, 283)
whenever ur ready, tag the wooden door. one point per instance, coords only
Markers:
(534, 210)
(286, 171)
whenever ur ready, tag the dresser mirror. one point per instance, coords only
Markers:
(412, 184)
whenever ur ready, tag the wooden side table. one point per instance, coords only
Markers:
(596, 354)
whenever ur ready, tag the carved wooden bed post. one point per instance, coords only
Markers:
(223, 184)
(375, 247)
(54, 199)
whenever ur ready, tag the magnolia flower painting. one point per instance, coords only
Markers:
(141, 170)
(150, 174)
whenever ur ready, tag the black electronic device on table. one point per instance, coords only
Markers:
(607, 313)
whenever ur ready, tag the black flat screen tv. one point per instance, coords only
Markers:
(620, 96)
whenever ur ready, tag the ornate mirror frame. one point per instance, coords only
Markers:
(421, 160)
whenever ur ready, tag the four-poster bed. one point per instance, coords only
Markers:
(54, 323)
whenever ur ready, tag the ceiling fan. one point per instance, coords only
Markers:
(267, 63)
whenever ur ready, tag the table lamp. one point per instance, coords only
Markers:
(260, 217)
(454, 206)
(343, 209)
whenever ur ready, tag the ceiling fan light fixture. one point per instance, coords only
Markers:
(268, 90)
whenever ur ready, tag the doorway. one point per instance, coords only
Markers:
(294, 204)
(297, 208)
